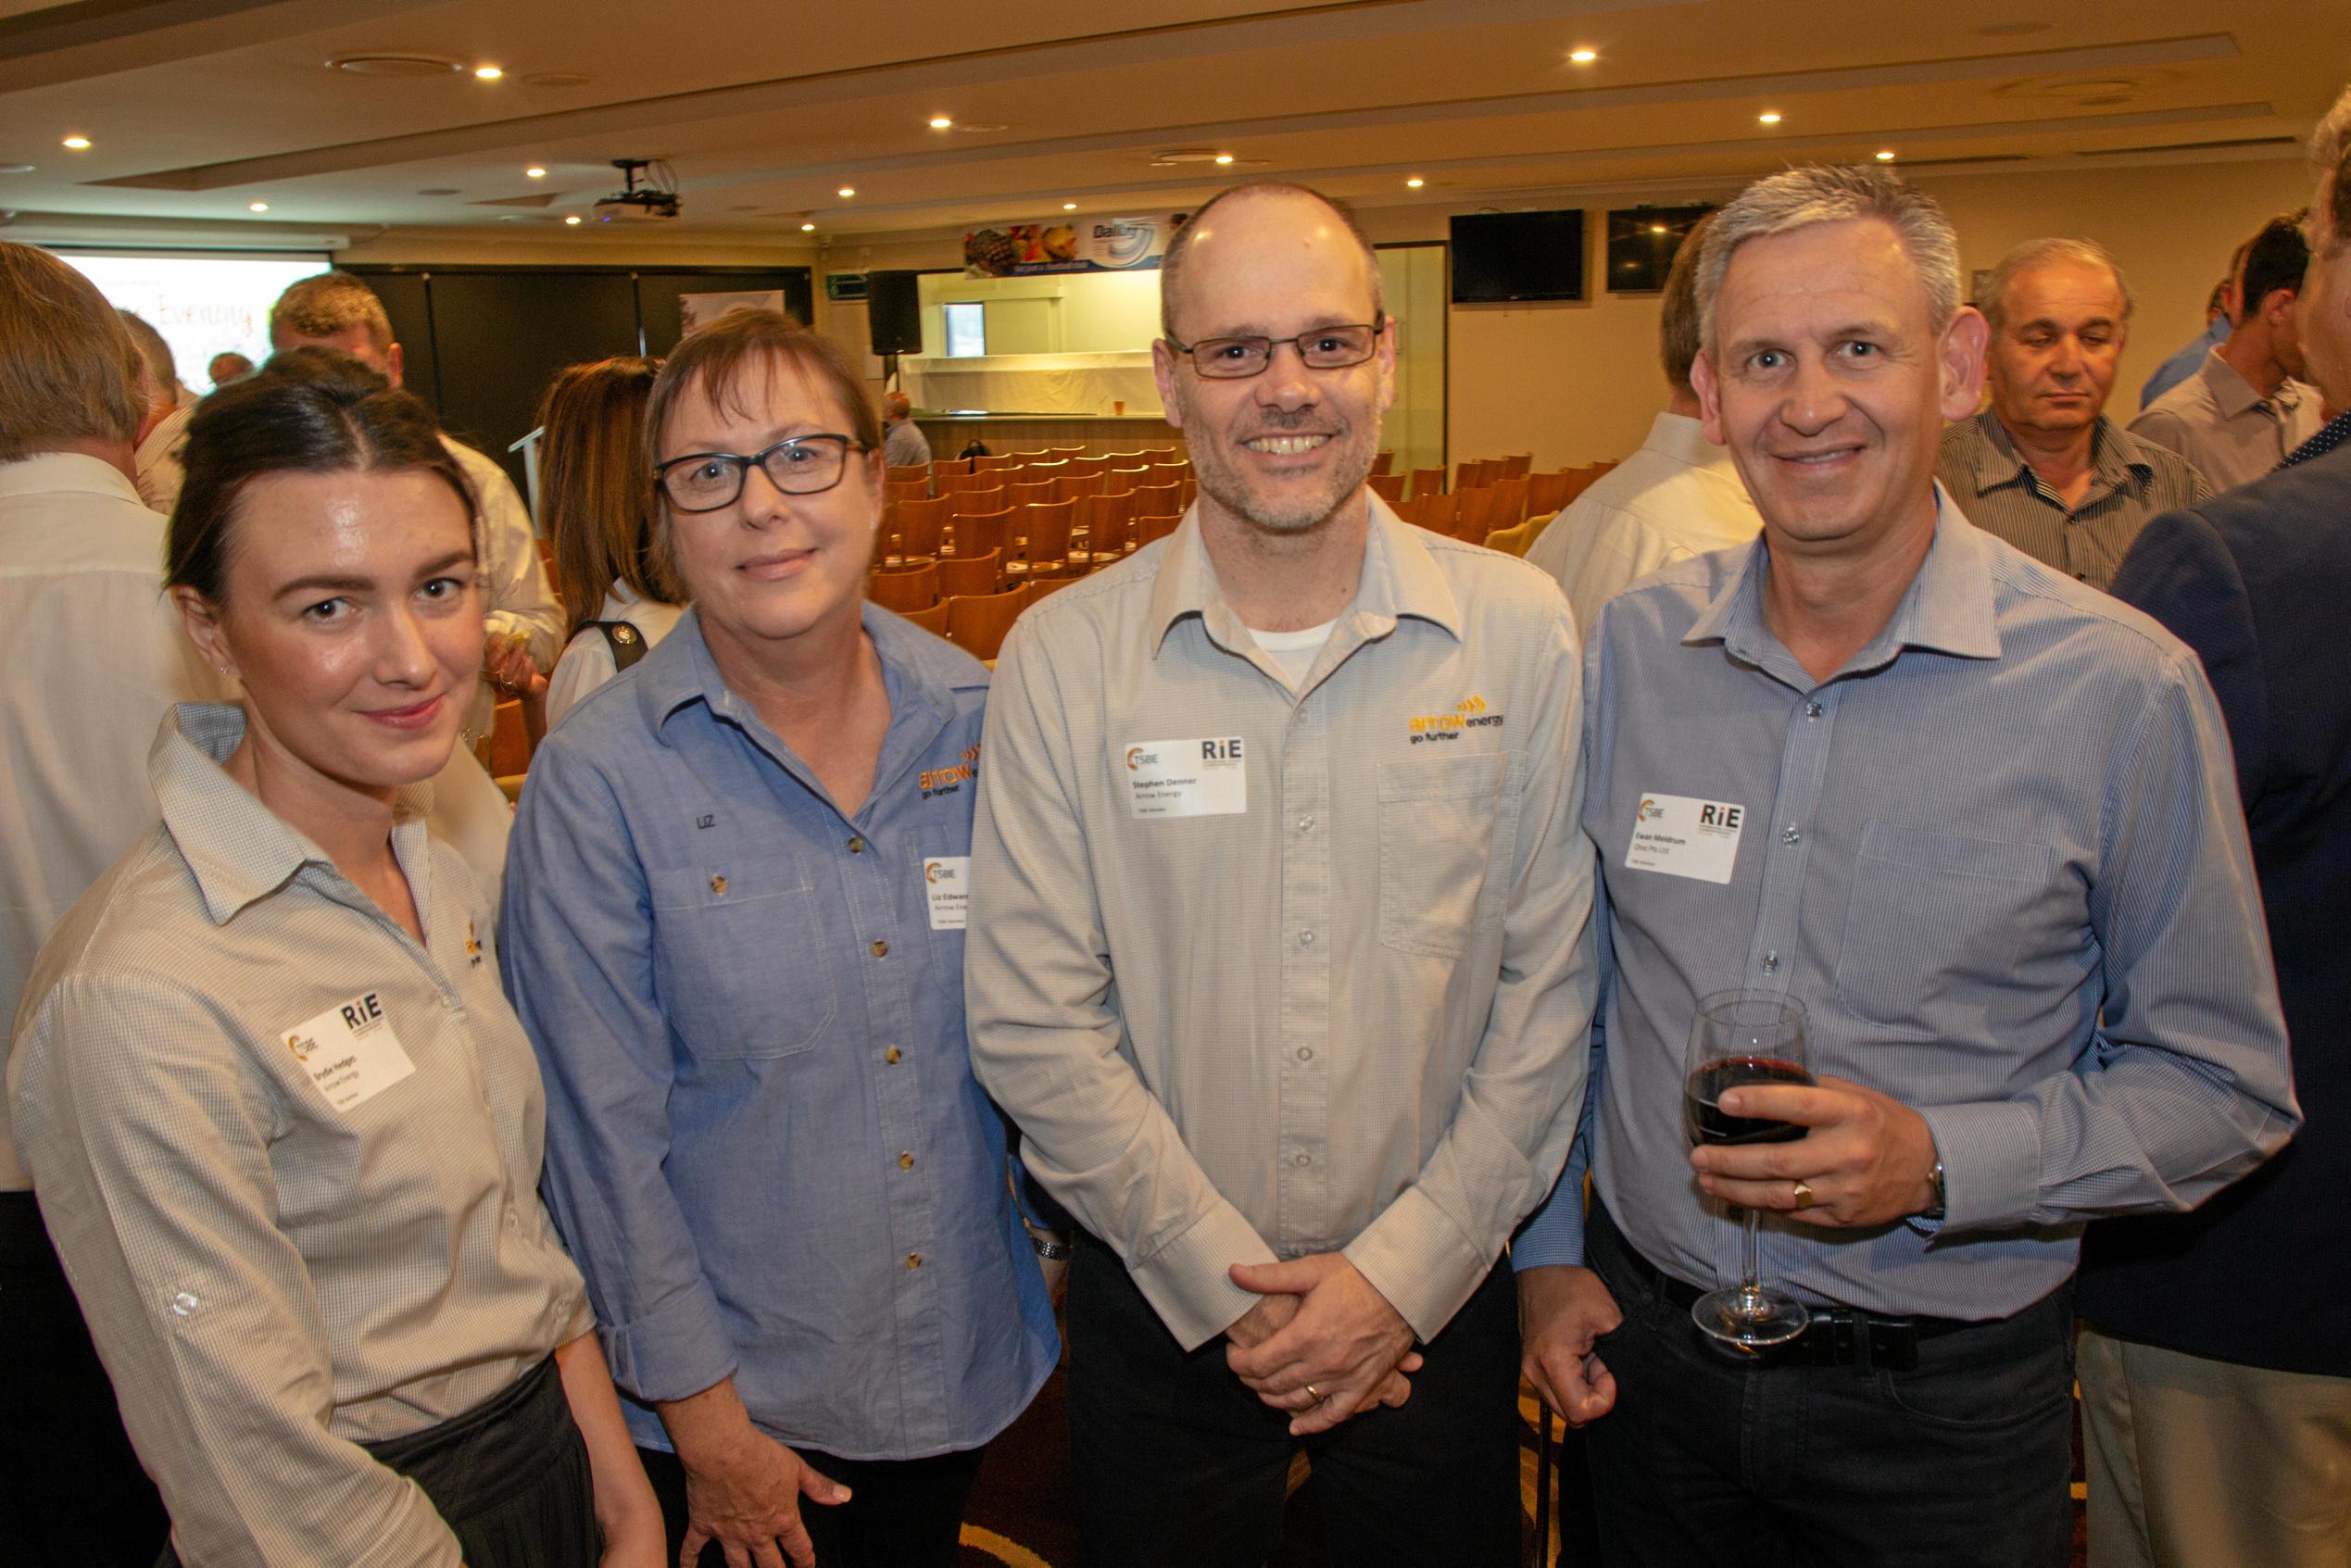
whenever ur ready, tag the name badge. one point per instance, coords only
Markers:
(1187, 778)
(350, 1051)
(1684, 836)
(947, 883)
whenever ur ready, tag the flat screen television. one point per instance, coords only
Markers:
(1505, 257)
(1642, 241)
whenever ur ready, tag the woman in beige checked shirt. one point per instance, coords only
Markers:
(284, 1128)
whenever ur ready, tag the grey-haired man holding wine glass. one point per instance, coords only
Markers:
(1980, 823)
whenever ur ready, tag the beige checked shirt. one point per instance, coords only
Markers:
(290, 1157)
(2133, 483)
(1263, 972)
(2232, 433)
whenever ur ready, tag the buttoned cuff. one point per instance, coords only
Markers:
(1420, 1261)
(1991, 1154)
(675, 1351)
(1185, 1281)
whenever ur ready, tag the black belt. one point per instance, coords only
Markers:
(1836, 1337)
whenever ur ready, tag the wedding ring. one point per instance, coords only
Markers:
(1804, 1195)
(1314, 1393)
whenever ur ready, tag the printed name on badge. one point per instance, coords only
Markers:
(947, 883)
(350, 1051)
(1681, 836)
(1185, 777)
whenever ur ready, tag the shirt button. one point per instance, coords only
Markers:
(906, 1161)
(1789, 834)
(1305, 825)
(857, 847)
(1301, 1160)
(1305, 939)
(1772, 963)
(890, 1056)
(913, 1259)
(881, 949)
(184, 1304)
(1812, 708)
(1305, 1053)
(718, 885)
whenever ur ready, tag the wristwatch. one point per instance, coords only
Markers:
(1052, 1248)
(1936, 1210)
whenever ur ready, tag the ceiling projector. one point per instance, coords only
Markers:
(631, 205)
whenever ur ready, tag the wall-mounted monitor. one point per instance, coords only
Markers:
(1502, 257)
(1642, 243)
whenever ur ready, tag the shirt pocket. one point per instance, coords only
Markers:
(739, 959)
(1447, 829)
(1934, 925)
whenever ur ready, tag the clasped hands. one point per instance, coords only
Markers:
(1319, 1325)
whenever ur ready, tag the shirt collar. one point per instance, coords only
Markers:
(1949, 607)
(239, 850)
(1400, 577)
(1681, 439)
(923, 671)
(2232, 395)
(47, 473)
(1998, 463)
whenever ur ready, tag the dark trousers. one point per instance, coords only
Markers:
(73, 1493)
(1711, 1457)
(1177, 1463)
(901, 1513)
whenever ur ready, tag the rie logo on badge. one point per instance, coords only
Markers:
(1205, 777)
(1681, 836)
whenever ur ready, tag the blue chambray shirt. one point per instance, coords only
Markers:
(1999, 858)
(765, 1142)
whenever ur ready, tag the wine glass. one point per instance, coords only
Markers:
(1744, 1037)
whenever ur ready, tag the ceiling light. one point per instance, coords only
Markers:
(256, 207)
(489, 73)
(942, 123)
(535, 172)
(571, 217)
(79, 144)
(808, 228)
(1885, 154)
(1656, 227)
(1583, 57)
(846, 191)
(1223, 157)
(1414, 183)
(1769, 117)
(1069, 206)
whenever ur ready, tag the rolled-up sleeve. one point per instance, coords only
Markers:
(149, 1150)
(575, 945)
(1046, 1036)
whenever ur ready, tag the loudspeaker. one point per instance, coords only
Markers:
(894, 312)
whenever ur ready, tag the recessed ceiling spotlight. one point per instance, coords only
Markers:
(489, 73)
(1583, 57)
(16, 168)
(808, 228)
(256, 207)
(1885, 154)
(389, 63)
(1769, 117)
(846, 192)
(1223, 157)
(79, 144)
(1069, 206)
(1414, 183)
(571, 217)
(535, 172)
(1656, 227)
(942, 123)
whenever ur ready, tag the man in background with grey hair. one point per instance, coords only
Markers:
(2044, 468)
(1979, 821)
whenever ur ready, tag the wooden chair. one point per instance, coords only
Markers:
(1105, 520)
(1029, 491)
(994, 463)
(1035, 454)
(1078, 451)
(1473, 516)
(980, 533)
(510, 740)
(1511, 541)
(1409, 508)
(1045, 585)
(905, 489)
(1169, 473)
(1516, 465)
(1436, 512)
(932, 619)
(1389, 487)
(902, 591)
(1127, 460)
(1160, 454)
(1152, 500)
(1117, 481)
(919, 523)
(1549, 492)
(1580, 480)
(1428, 482)
(1384, 462)
(1148, 529)
(1047, 531)
(973, 503)
(1510, 501)
(969, 577)
(1088, 465)
(978, 626)
(1070, 486)
(913, 473)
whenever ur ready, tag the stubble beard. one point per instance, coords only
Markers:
(1286, 516)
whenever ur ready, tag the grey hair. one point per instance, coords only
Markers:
(1992, 301)
(2333, 137)
(1799, 198)
(2331, 157)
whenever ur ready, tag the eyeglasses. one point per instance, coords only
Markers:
(1325, 348)
(799, 465)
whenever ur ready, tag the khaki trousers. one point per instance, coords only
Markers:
(2201, 1464)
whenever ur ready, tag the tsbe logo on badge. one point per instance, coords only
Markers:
(1681, 836)
(947, 883)
(349, 1051)
(1187, 778)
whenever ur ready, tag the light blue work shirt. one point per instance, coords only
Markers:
(766, 1146)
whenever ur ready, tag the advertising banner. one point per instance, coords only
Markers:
(1075, 245)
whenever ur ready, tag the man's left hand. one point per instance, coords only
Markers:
(1864, 1160)
(1345, 1340)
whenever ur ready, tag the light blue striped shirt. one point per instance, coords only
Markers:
(2013, 811)
(766, 1146)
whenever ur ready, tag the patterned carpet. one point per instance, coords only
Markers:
(1021, 1514)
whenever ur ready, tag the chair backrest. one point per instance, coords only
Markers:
(1047, 530)
(1580, 480)
(1077, 451)
(972, 503)
(1517, 465)
(510, 740)
(919, 523)
(1151, 499)
(912, 473)
(1025, 490)
(1159, 454)
(1438, 511)
(1070, 486)
(902, 591)
(1511, 541)
(1428, 482)
(1117, 481)
(1126, 459)
(980, 533)
(1106, 519)
(1034, 455)
(1384, 462)
(978, 626)
(905, 489)
(992, 461)
(968, 577)
(932, 619)
(1157, 526)
(1473, 518)
(1510, 501)
(1088, 465)
(1045, 585)
(1389, 487)
(1549, 492)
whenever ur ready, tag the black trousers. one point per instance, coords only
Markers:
(1178, 1465)
(901, 1513)
(74, 1494)
(1714, 1457)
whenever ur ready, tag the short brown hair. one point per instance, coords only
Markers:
(1678, 342)
(327, 305)
(594, 490)
(69, 371)
(720, 358)
(1172, 262)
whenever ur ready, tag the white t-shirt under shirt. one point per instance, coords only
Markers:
(1295, 651)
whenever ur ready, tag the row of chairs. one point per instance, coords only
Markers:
(1471, 473)
(976, 623)
(1144, 465)
(1497, 508)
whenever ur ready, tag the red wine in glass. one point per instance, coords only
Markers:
(1701, 1100)
(1743, 1039)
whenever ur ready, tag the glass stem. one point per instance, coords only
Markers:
(1750, 1274)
